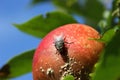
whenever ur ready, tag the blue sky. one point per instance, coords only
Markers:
(13, 41)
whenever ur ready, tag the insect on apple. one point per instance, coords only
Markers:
(60, 45)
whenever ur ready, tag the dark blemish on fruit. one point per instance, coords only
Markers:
(50, 73)
(67, 69)
(5, 70)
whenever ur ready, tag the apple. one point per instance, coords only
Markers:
(70, 49)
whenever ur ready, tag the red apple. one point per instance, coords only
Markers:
(69, 49)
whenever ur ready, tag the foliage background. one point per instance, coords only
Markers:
(101, 14)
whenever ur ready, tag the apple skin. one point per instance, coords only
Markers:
(81, 50)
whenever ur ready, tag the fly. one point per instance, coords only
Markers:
(59, 44)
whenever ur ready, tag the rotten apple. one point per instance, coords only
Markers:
(69, 49)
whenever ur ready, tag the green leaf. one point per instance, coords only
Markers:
(18, 65)
(38, 1)
(109, 64)
(40, 25)
(69, 77)
(109, 34)
(91, 9)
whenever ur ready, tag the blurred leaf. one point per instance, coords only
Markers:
(18, 65)
(40, 25)
(69, 77)
(91, 9)
(109, 64)
(109, 34)
(38, 1)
